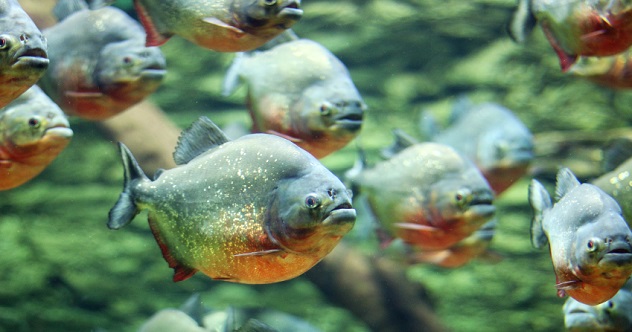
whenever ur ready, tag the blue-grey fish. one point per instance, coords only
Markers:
(428, 194)
(23, 52)
(588, 238)
(299, 90)
(489, 134)
(257, 209)
(33, 131)
(577, 27)
(99, 63)
(220, 25)
(614, 315)
(618, 184)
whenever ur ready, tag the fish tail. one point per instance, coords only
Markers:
(540, 201)
(353, 173)
(232, 78)
(522, 22)
(125, 208)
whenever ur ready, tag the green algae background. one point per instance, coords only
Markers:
(61, 269)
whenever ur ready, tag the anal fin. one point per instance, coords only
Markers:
(181, 272)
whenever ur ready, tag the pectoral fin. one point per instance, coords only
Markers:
(416, 227)
(287, 137)
(83, 95)
(258, 253)
(562, 287)
(238, 33)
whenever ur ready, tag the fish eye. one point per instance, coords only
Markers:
(34, 123)
(593, 245)
(462, 197)
(3, 42)
(127, 60)
(311, 201)
(325, 109)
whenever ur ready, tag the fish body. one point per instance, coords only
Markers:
(490, 135)
(254, 210)
(613, 71)
(588, 238)
(582, 27)
(99, 63)
(614, 315)
(300, 91)
(428, 195)
(23, 52)
(33, 131)
(464, 251)
(220, 25)
(618, 184)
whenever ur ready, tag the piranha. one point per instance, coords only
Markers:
(220, 25)
(614, 315)
(99, 63)
(490, 135)
(254, 210)
(302, 92)
(33, 131)
(428, 195)
(577, 27)
(588, 238)
(473, 246)
(613, 71)
(23, 52)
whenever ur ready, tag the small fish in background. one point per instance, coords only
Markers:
(490, 135)
(254, 210)
(475, 246)
(219, 25)
(617, 181)
(230, 320)
(23, 52)
(614, 315)
(613, 71)
(99, 63)
(428, 195)
(588, 238)
(576, 27)
(33, 131)
(300, 91)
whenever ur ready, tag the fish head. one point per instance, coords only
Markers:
(33, 124)
(462, 197)
(260, 14)
(616, 313)
(131, 67)
(505, 147)
(580, 317)
(331, 110)
(602, 245)
(23, 48)
(310, 212)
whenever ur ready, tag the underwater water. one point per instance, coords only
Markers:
(62, 269)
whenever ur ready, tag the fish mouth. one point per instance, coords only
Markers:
(153, 72)
(291, 12)
(31, 57)
(619, 252)
(61, 131)
(351, 118)
(341, 214)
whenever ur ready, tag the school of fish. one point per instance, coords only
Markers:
(262, 208)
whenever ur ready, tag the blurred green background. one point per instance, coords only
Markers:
(63, 270)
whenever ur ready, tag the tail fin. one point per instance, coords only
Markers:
(125, 209)
(540, 201)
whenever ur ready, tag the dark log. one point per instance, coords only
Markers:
(376, 290)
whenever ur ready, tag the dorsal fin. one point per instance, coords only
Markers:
(566, 181)
(428, 125)
(65, 8)
(402, 141)
(461, 106)
(200, 137)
